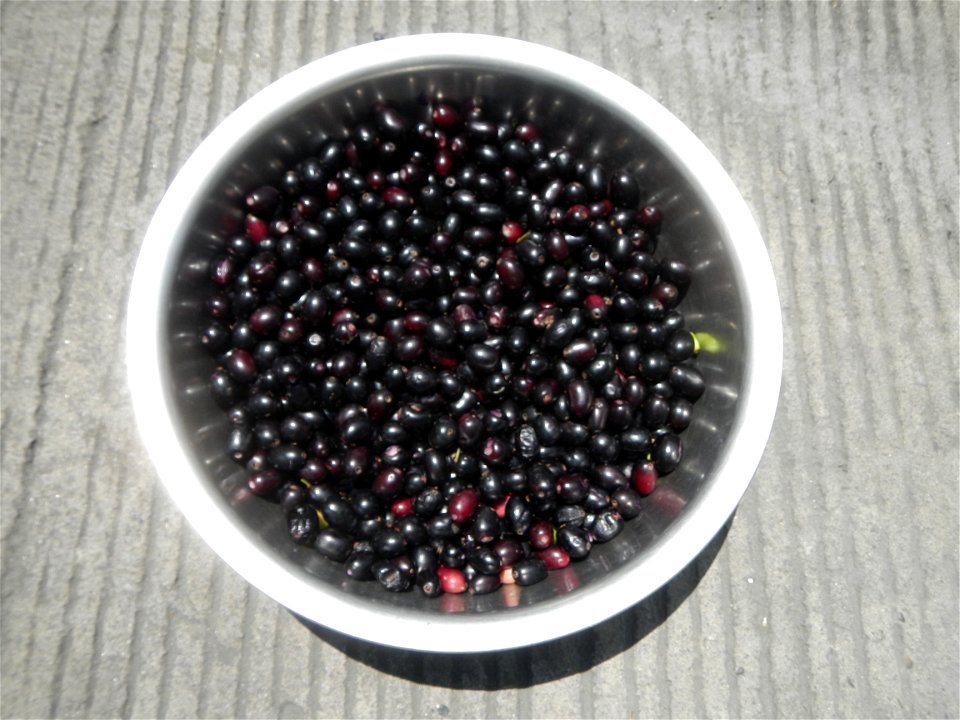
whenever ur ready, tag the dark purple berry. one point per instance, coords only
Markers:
(265, 481)
(627, 502)
(529, 571)
(333, 544)
(359, 564)
(667, 452)
(687, 381)
(624, 190)
(580, 395)
(240, 366)
(481, 584)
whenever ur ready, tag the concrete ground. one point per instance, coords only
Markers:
(835, 591)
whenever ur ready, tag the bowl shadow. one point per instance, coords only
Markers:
(528, 666)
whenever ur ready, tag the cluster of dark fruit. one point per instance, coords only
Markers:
(447, 350)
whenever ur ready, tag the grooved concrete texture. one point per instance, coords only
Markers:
(835, 591)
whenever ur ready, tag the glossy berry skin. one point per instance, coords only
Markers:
(359, 565)
(452, 580)
(667, 453)
(624, 190)
(509, 551)
(265, 482)
(463, 505)
(580, 394)
(554, 558)
(529, 571)
(333, 544)
(680, 346)
(429, 583)
(627, 502)
(241, 366)
(518, 517)
(389, 543)
(572, 488)
(225, 391)
(483, 560)
(687, 381)
(445, 116)
(644, 477)
(483, 584)
(540, 535)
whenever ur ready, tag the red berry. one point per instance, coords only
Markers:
(333, 191)
(600, 209)
(452, 580)
(511, 232)
(265, 481)
(443, 162)
(595, 306)
(554, 557)
(527, 132)
(256, 228)
(312, 270)
(497, 317)
(265, 319)
(540, 535)
(576, 218)
(458, 146)
(402, 508)
(445, 116)
(463, 505)
(398, 198)
(463, 312)
(376, 179)
(644, 477)
(443, 361)
(510, 272)
(223, 270)
(307, 207)
(650, 217)
(388, 482)
(241, 365)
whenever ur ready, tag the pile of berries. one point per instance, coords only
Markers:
(448, 350)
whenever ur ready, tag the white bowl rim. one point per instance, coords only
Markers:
(290, 586)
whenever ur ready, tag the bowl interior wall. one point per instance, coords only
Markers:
(575, 117)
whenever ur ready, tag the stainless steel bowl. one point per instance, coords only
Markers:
(707, 224)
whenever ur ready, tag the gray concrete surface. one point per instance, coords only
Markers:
(835, 591)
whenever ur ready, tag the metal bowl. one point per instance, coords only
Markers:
(707, 224)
